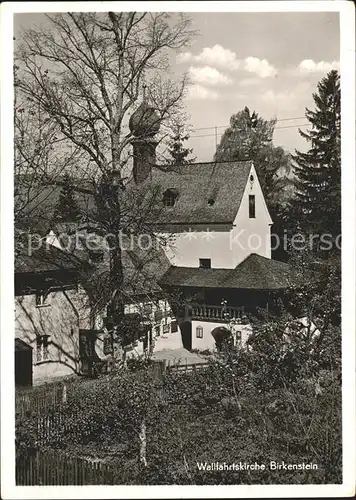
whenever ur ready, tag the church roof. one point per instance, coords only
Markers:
(255, 273)
(207, 192)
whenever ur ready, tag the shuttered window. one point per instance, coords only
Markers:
(199, 332)
(251, 206)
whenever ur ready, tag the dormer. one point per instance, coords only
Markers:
(170, 196)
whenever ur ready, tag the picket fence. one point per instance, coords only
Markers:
(186, 367)
(39, 401)
(52, 468)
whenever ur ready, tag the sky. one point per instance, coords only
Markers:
(270, 62)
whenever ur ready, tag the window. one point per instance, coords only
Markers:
(205, 263)
(158, 315)
(41, 299)
(170, 197)
(42, 353)
(199, 332)
(39, 348)
(168, 201)
(251, 206)
(238, 338)
(87, 344)
(147, 309)
(174, 327)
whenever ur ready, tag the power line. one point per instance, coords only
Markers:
(293, 126)
(288, 119)
(277, 128)
(215, 127)
(216, 134)
(278, 120)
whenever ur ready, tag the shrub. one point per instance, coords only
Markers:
(274, 401)
(138, 363)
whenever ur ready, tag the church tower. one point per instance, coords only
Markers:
(144, 125)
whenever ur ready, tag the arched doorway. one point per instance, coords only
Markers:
(222, 336)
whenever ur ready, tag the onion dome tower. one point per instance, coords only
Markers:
(144, 124)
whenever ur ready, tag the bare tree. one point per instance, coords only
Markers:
(39, 158)
(85, 74)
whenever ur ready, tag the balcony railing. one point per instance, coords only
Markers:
(221, 313)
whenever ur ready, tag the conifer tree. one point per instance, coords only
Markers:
(317, 203)
(67, 208)
(178, 154)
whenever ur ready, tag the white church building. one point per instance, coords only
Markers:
(217, 258)
(217, 222)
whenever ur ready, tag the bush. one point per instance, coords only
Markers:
(270, 402)
(138, 363)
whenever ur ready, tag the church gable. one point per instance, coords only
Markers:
(252, 206)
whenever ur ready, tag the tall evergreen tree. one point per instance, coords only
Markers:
(67, 208)
(317, 203)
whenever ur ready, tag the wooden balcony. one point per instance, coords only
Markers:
(217, 313)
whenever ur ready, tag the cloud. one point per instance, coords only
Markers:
(260, 67)
(184, 57)
(309, 66)
(249, 82)
(218, 56)
(212, 56)
(271, 95)
(208, 76)
(199, 92)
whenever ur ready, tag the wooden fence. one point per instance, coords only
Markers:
(186, 367)
(52, 468)
(48, 425)
(39, 401)
(46, 404)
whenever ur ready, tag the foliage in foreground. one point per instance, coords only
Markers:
(247, 406)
